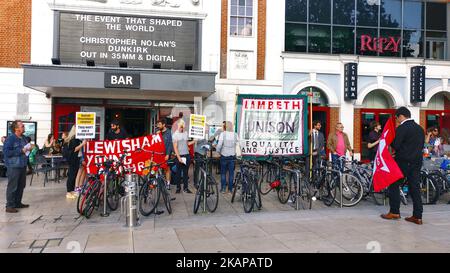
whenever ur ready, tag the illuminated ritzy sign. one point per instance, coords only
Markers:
(380, 44)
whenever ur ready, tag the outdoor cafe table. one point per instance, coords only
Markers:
(53, 159)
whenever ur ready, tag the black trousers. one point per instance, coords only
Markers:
(412, 174)
(16, 183)
(181, 175)
(72, 174)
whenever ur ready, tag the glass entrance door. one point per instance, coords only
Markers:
(436, 49)
(368, 116)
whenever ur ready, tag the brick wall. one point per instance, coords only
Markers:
(423, 119)
(357, 131)
(334, 118)
(261, 43)
(15, 32)
(224, 40)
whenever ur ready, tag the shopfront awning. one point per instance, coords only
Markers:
(118, 83)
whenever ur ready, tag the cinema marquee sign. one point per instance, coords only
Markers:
(140, 41)
(380, 44)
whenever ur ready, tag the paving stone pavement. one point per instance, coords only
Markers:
(51, 224)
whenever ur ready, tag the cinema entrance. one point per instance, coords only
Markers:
(320, 109)
(377, 106)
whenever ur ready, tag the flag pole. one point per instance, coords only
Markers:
(310, 95)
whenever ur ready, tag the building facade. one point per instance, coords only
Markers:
(196, 56)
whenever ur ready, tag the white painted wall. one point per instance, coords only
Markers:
(41, 33)
(11, 84)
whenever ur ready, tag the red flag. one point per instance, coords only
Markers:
(385, 170)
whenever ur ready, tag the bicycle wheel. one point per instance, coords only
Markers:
(284, 191)
(265, 182)
(258, 201)
(439, 180)
(113, 196)
(327, 189)
(212, 194)
(148, 198)
(82, 196)
(248, 199)
(199, 194)
(429, 192)
(305, 196)
(91, 200)
(236, 185)
(403, 198)
(352, 191)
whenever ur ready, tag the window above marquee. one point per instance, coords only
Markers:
(241, 18)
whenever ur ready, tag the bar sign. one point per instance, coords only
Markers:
(350, 81)
(417, 84)
(123, 80)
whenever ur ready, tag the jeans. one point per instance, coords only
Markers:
(16, 183)
(412, 174)
(182, 172)
(227, 165)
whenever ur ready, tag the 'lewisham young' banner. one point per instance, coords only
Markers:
(114, 149)
(272, 125)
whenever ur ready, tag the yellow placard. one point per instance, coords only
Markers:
(85, 118)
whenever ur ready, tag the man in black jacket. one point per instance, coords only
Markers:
(116, 132)
(408, 145)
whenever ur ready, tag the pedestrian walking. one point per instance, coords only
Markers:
(408, 145)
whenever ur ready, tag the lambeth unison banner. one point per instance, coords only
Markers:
(114, 149)
(272, 125)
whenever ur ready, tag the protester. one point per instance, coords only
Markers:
(180, 146)
(15, 155)
(116, 132)
(338, 143)
(167, 138)
(408, 143)
(318, 139)
(81, 174)
(226, 146)
(374, 139)
(74, 146)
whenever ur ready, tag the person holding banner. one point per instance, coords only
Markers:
(116, 132)
(181, 149)
(74, 146)
(167, 137)
(408, 145)
(228, 140)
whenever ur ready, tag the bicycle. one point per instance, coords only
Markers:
(153, 185)
(279, 182)
(246, 181)
(207, 188)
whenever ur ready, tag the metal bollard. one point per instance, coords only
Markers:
(128, 203)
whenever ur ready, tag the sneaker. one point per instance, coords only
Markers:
(70, 195)
(75, 193)
(187, 190)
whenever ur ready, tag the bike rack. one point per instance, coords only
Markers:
(105, 192)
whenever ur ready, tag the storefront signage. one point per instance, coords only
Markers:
(271, 125)
(197, 126)
(140, 41)
(85, 125)
(380, 44)
(417, 84)
(123, 80)
(350, 81)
